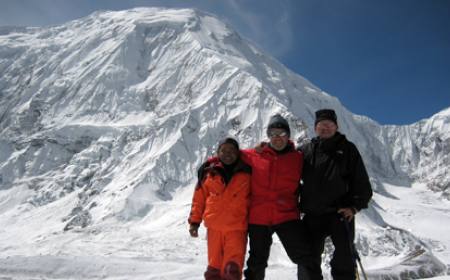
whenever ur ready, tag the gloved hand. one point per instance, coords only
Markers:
(347, 213)
(260, 147)
(193, 230)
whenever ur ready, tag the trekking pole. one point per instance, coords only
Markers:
(354, 252)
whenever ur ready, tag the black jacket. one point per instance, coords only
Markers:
(334, 176)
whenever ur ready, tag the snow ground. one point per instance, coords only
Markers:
(421, 212)
(162, 249)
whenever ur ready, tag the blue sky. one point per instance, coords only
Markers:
(389, 60)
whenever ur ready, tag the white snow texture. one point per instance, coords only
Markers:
(104, 121)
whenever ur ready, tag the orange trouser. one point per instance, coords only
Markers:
(225, 247)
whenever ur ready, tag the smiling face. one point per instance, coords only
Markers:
(325, 129)
(228, 153)
(278, 138)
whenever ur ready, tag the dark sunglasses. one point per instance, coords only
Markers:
(277, 133)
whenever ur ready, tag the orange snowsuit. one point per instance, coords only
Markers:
(224, 210)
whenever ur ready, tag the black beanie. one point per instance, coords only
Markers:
(277, 121)
(325, 114)
(228, 140)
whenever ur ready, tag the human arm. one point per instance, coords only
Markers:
(197, 209)
(360, 189)
(198, 202)
(246, 155)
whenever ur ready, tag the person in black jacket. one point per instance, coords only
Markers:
(335, 187)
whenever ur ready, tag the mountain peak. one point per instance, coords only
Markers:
(204, 25)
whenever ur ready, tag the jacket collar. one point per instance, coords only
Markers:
(239, 166)
(330, 144)
(289, 148)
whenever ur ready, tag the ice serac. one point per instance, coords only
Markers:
(105, 119)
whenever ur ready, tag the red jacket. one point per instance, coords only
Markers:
(274, 186)
(221, 206)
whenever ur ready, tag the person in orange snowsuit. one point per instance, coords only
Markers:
(221, 200)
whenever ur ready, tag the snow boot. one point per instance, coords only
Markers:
(302, 273)
(258, 274)
(212, 273)
(231, 271)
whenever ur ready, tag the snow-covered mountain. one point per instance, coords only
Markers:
(105, 119)
(422, 150)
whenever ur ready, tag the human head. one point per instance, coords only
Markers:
(325, 124)
(228, 151)
(278, 132)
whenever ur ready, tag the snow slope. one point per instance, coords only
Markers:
(105, 119)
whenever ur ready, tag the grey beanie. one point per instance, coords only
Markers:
(277, 121)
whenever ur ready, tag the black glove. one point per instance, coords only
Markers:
(193, 230)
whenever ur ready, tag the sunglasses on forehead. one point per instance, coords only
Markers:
(277, 133)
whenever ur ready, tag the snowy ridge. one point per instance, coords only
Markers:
(422, 150)
(105, 119)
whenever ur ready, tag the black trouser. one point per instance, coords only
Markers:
(342, 263)
(292, 235)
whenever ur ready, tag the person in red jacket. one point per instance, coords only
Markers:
(221, 201)
(276, 174)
